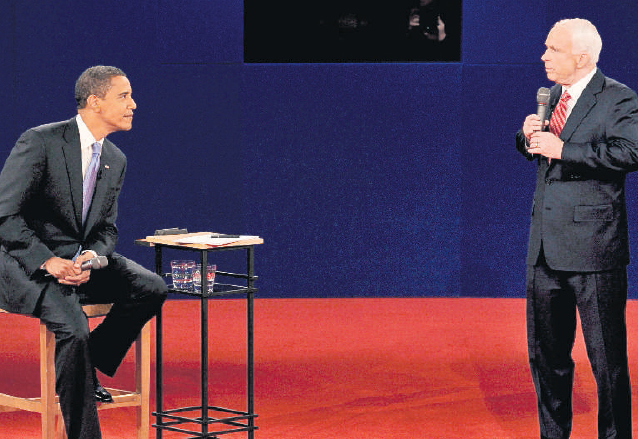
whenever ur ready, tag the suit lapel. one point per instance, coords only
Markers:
(584, 105)
(553, 100)
(73, 160)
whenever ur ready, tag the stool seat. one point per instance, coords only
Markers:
(47, 403)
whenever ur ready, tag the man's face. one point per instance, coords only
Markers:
(116, 108)
(560, 63)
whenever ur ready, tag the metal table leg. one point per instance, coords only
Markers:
(158, 350)
(204, 346)
(249, 342)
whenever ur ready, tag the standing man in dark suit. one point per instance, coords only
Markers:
(578, 244)
(47, 231)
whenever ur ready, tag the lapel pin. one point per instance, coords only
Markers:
(106, 167)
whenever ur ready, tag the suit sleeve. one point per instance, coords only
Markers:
(19, 180)
(613, 144)
(521, 145)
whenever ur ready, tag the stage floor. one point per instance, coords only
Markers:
(343, 368)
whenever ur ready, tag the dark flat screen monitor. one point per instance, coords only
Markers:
(342, 31)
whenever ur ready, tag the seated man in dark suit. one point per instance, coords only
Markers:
(58, 204)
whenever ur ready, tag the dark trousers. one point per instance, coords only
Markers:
(137, 294)
(600, 298)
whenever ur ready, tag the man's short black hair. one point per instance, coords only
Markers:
(96, 81)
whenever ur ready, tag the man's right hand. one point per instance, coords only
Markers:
(531, 125)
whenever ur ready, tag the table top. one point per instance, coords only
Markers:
(173, 241)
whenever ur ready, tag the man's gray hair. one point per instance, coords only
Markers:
(585, 37)
(96, 81)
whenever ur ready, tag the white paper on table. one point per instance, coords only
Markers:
(212, 239)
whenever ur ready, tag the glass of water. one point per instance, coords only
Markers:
(182, 274)
(197, 277)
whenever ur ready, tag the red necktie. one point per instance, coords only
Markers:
(557, 121)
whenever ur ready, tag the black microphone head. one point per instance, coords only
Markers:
(542, 96)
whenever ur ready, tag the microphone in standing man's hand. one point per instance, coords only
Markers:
(542, 98)
(94, 263)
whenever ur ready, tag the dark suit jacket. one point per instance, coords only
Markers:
(41, 209)
(579, 215)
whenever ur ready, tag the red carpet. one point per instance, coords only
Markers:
(344, 368)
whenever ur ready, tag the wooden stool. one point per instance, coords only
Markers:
(48, 405)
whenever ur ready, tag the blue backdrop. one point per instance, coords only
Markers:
(391, 179)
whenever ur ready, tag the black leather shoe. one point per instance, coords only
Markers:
(101, 394)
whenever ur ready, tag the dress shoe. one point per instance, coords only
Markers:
(101, 394)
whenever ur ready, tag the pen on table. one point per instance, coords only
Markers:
(220, 235)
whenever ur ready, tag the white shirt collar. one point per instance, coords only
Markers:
(576, 89)
(86, 140)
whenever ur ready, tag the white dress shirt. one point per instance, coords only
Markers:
(86, 140)
(576, 89)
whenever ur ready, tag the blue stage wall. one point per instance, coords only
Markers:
(393, 179)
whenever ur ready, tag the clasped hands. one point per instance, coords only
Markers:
(68, 272)
(541, 142)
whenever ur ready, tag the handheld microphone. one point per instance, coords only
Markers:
(542, 98)
(94, 263)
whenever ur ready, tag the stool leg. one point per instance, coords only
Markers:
(47, 382)
(143, 380)
(50, 410)
(60, 430)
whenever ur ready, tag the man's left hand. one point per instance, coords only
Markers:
(83, 276)
(545, 144)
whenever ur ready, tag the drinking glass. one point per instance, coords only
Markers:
(182, 274)
(197, 277)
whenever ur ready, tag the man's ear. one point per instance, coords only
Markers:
(93, 103)
(583, 60)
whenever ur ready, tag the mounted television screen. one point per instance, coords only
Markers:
(287, 31)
